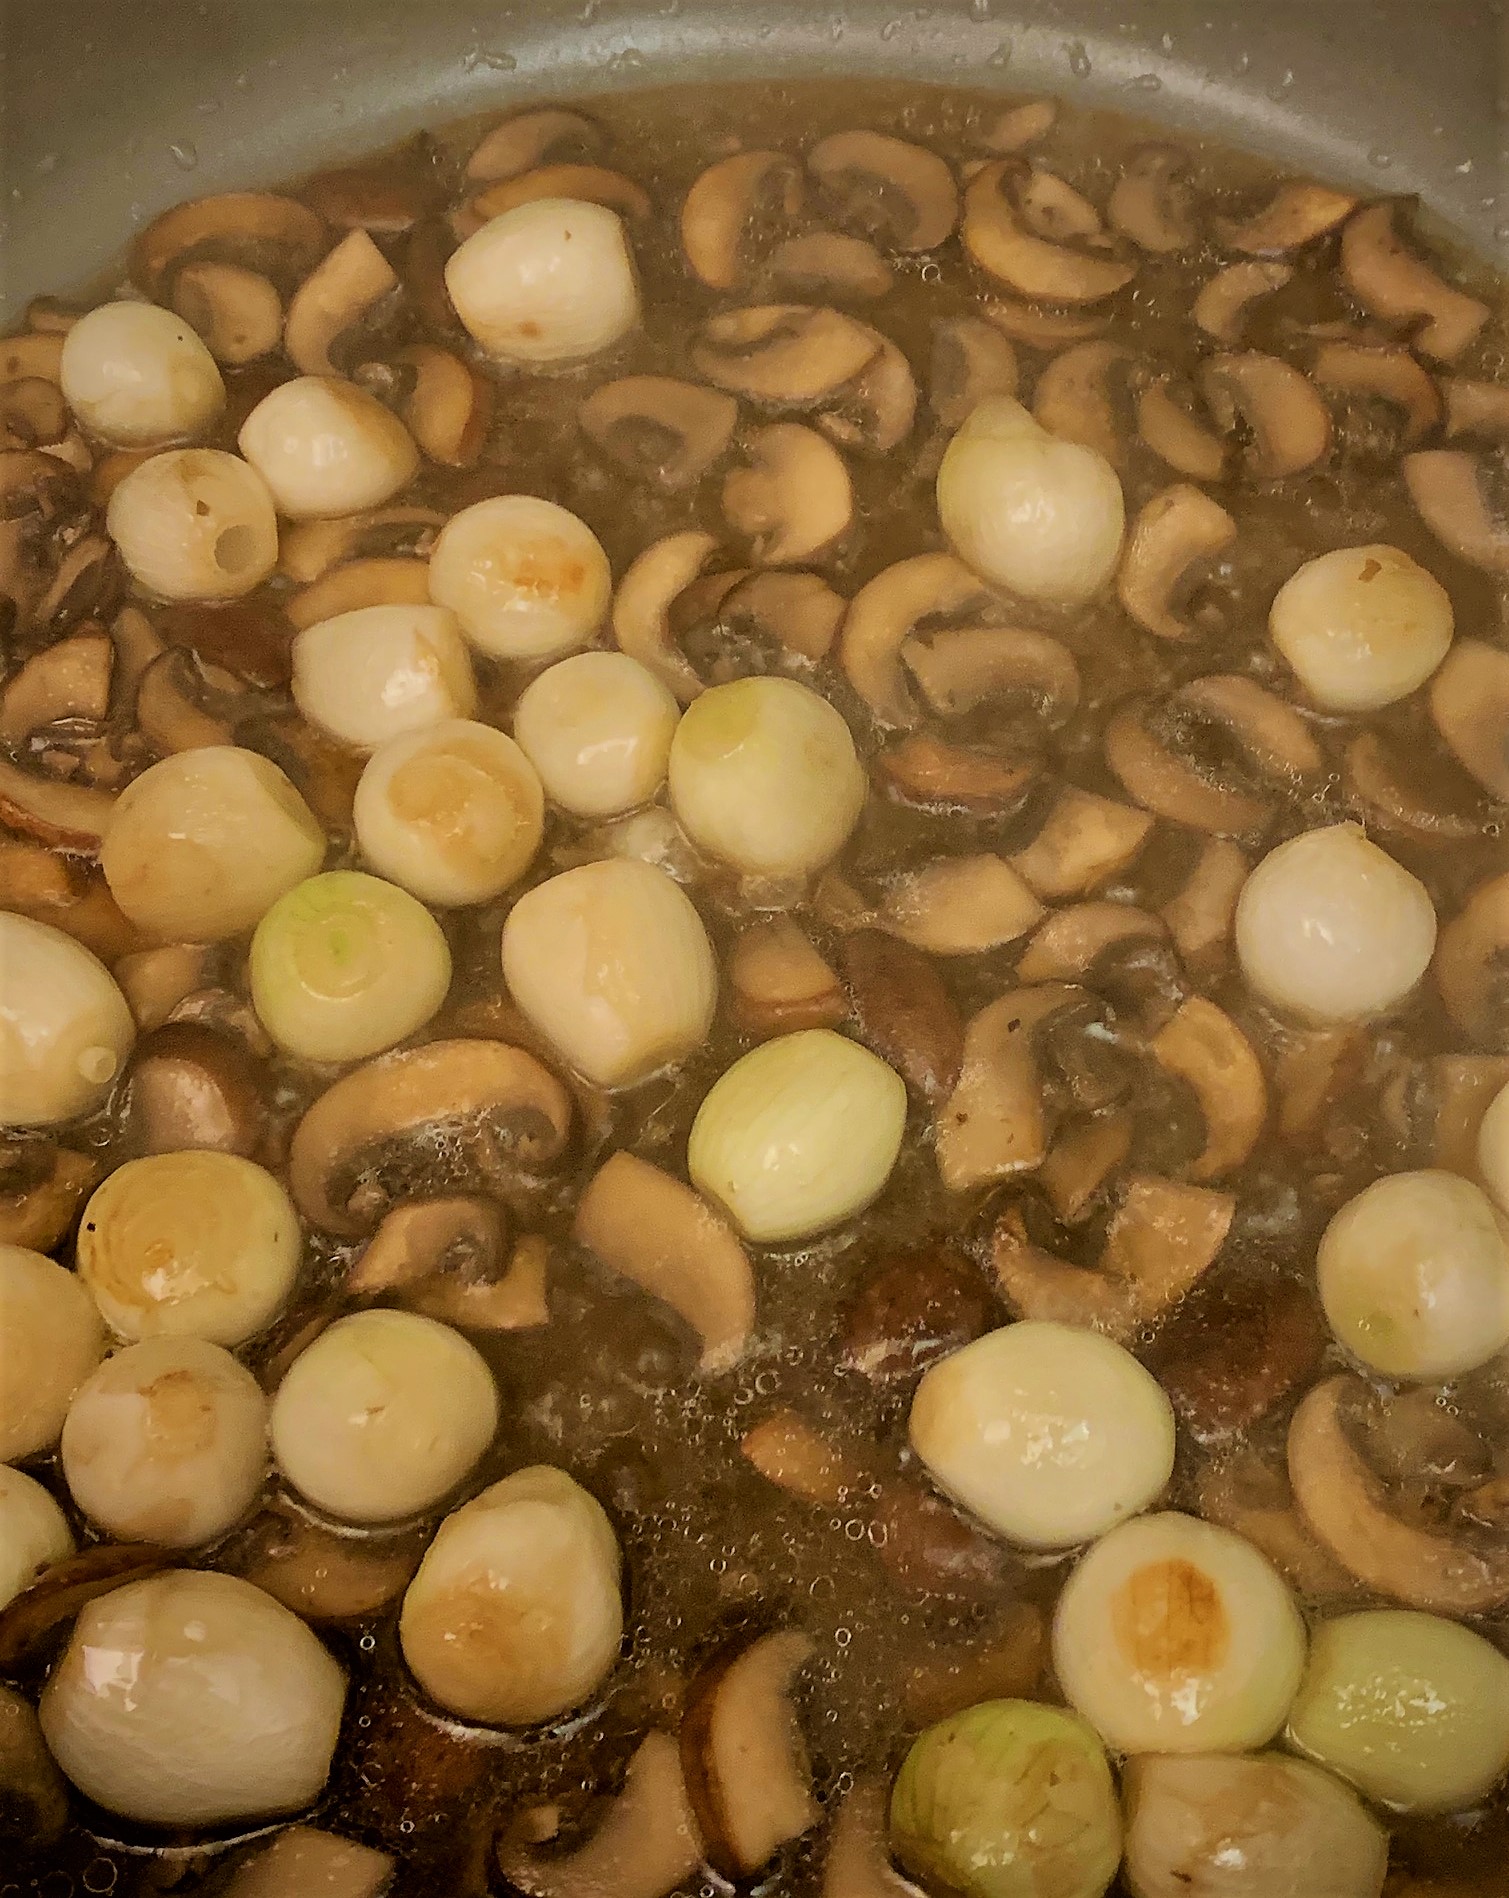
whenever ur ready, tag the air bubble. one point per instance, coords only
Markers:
(931, 273)
(367, 1643)
(100, 1876)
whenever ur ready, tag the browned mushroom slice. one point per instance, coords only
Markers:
(645, 1846)
(875, 412)
(155, 981)
(642, 605)
(746, 1765)
(590, 184)
(1085, 840)
(824, 264)
(961, 668)
(1070, 942)
(1201, 913)
(725, 202)
(259, 229)
(309, 548)
(1438, 1106)
(790, 355)
(959, 906)
(304, 1859)
(658, 1233)
(1383, 374)
(904, 1011)
(659, 428)
(997, 237)
(1176, 436)
(921, 1306)
(399, 581)
(971, 362)
(790, 1453)
(23, 358)
(1290, 426)
(87, 585)
(42, 1192)
(887, 187)
(1248, 1492)
(1039, 1286)
(1477, 408)
(780, 982)
(1081, 1162)
(1390, 281)
(1151, 200)
(1450, 496)
(483, 1294)
(70, 895)
(170, 705)
(238, 312)
(931, 1552)
(449, 407)
(858, 1864)
(1221, 307)
(33, 1796)
(1073, 398)
(1403, 791)
(189, 1087)
(326, 1574)
(33, 414)
(68, 680)
(1471, 965)
(424, 1237)
(791, 498)
(1272, 734)
(1039, 328)
(65, 1589)
(347, 283)
(389, 194)
(342, 1156)
(71, 817)
(1158, 778)
(1298, 214)
(799, 612)
(1346, 1504)
(1469, 701)
(1177, 533)
(1052, 209)
(528, 138)
(1163, 1239)
(926, 773)
(1019, 126)
(885, 613)
(994, 1123)
(1203, 1047)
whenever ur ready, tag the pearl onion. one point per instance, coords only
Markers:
(383, 1415)
(325, 447)
(1329, 927)
(167, 1443)
(1414, 1276)
(191, 1699)
(65, 1027)
(195, 524)
(453, 814)
(611, 963)
(547, 282)
(1049, 1435)
(202, 844)
(597, 728)
(368, 675)
(51, 1338)
(1039, 516)
(1362, 627)
(526, 579)
(1493, 1148)
(515, 1615)
(194, 1244)
(138, 376)
(34, 1533)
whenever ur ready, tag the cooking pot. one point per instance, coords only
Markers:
(116, 108)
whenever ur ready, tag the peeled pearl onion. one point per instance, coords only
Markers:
(65, 1027)
(1039, 516)
(597, 727)
(515, 1614)
(525, 578)
(1493, 1148)
(375, 673)
(192, 1699)
(139, 377)
(34, 1533)
(611, 963)
(1329, 927)
(1362, 627)
(51, 1338)
(194, 524)
(547, 282)
(325, 447)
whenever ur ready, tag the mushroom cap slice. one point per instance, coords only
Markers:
(1446, 486)
(1169, 786)
(517, 1100)
(1086, 839)
(1202, 1046)
(1150, 201)
(1298, 213)
(522, 141)
(1472, 953)
(1221, 307)
(883, 615)
(1477, 408)
(903, 1011)
(997, 238)
(1390, 281)
(971, 363)
(586, 184)
(876, 410)
(657, 426)
(1039, 1286)
(346, 283)
(1175, 530)
(791, 497)
(789, 355)
(70, 817)
(1385, 373)
(858, 1864)
(722, 204)
(642, 605)
(829, 263)
(887, 186)
(259, 228)
(237, 312)
(961, 668)
(1346, 1505)
(1073, 399)
(1469, 701)
(994, 1123)
(1164, 1237)
(1291, 426)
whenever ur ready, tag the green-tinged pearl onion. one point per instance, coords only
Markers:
(799, 1135)
(1009, 1799)
(345, 966)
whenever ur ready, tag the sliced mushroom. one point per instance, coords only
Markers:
(1203, 1047)
(1391, 282)
(1471, 965)
(746, 1767)
(903, 1010)
(665, 1238)
(1084, 841)
(1200, 915)
(1299, 213)
(780, 982)
(191, 1088)
(959, 906)
(520, 143)
(168, 703)
(798, 613)
(999, 240)
(1073, 398)
(1440, 1103)
(642, 606)
(424, 1238)
(1346, 1505)
(886, 612)
(1151, 200)
(1171, 785)
(1221, 307)
(33, 414)
(449, 406)
(858, 1864)
(1039, 1286)
(1177, 532)
(1247, 1491)
(322, 1573)
(660, 429)
(237, 312)
(259, 229)
(888, 187)
(389, 194)
(65, 1589)
(341, 1158)
(790, 1453)
(1052, 209)
(1176, 436)
(1163, 1238)
(646, 1845)
(343, 288)
(309, 548)
(932, 1553)
(399, 581)
(791, 498)
(1070, 942)
(1290, 426)
(588, 184)
(994, 1123)
(722, 205)
(1384, 374)
(971, 362)
(961, 668)
(874, 413)
(1019, 126)
(824, 264)
(42, 1192)
(1477, 408)
(931, 775)
(1081, 1163)
(1469, 702)
(788, 355)
(68, 680)
(50, 888)
(23, 358)
(33, 1797)
(921, 1306)
(70, 817)
(155, 981)
(1447, 488)
(1040, 328)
